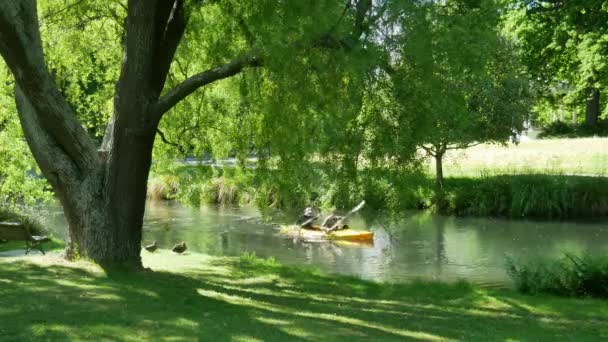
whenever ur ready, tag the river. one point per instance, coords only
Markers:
(417, 245)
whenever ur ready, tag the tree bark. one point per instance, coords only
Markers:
(439, 168)
(103, 192)
(593, 107)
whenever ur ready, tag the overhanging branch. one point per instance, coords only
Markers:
(462, 146)
(190, 85)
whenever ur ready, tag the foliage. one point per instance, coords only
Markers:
(572, 276)
(564, 45)
(560, 129)
(84, 69)
(529, 196)
(20, 179)
(458, 80)
(517, 196)
(31, 222)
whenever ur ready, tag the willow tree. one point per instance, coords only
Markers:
(102, 188)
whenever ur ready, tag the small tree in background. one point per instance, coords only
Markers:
(459, 79)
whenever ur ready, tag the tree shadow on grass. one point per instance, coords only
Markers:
(228, 299)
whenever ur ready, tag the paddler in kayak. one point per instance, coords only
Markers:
(308, 218)
(332, 219)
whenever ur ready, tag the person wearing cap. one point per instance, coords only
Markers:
(308, 218)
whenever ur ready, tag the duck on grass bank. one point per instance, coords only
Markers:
(151, 247)
(180, 247)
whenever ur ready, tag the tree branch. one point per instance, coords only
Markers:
(429, 150)
(21, 48)
(190, 85)
(166, 141)
(462, 146)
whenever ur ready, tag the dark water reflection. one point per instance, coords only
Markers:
(417, 245)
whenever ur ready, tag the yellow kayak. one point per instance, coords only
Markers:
(317, 234)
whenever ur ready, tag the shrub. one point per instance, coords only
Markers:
(560, 129)
(163, 187)
(221, 191)
(528, 196)
(571, 276)
(33, 223)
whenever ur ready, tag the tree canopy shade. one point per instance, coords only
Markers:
(170, 50)
(565, 45)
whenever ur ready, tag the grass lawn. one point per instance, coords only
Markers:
(581, 156)
(194, 297)
(53, 245)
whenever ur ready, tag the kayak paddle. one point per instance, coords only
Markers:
(354, 210)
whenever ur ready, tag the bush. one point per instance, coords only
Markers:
(34, 225)
(560, 129)
(528, 196)
(163, 187)
(221, 191)
(570, 276)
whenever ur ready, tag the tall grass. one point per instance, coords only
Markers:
(163, 187)
(536, 196)
(529, 196)
(221, 191)
(570, 276)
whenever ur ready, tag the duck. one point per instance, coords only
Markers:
(151, 247)
(180, 247)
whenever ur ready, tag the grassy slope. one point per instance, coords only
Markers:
(583, 156)
(191, 297)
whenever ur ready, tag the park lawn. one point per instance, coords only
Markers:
(53, 245)
(580, 156)
(194, 296)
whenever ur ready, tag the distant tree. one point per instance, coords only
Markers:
(565, 42)
(457, 80)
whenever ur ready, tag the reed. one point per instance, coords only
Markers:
(529, 196)
(570, 276)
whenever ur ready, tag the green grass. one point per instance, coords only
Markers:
(583, 156)
(34, 225)
(53, 245)
(197, 297)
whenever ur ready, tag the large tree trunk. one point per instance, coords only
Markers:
(593, 107)
(103, 192)
(104, 214)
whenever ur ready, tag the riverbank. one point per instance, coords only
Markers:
(194, 296)
(556, 179)
(512, 196)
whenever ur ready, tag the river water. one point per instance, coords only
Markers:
(417, 245)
